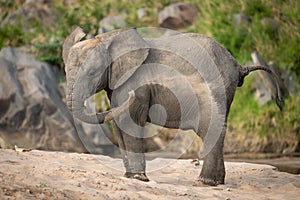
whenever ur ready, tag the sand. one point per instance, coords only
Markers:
(57, 175)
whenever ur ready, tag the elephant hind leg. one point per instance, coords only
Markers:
(213, 170)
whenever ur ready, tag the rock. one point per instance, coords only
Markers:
(241, 23)
(32, 113)
(291, 82)
(177, 15)
(70, 3)
(32, 11)
(242, 19)
(265, 84)
(101, 30)
(141, 13)
(111, 23)
(262, 94)
(271, 25)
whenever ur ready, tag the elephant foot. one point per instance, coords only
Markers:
(138, 176)
(201, 181)
(220, 182)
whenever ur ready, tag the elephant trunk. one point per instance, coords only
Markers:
(77, 106)
(79, 90)
(70, 84)
(75, 102)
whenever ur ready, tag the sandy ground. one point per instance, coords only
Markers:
(57, 175)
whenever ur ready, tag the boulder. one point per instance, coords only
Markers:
(272, 26)
(112, 23)
(291, 83)
(262, 92)
(32, 112)
(241, 23)
(177, 15)
(242, 19)
(141, 13)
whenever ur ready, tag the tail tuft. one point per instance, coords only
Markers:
(280, 103)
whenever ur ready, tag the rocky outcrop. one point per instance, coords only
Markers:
(32, 113)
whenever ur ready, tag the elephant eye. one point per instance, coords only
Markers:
(91, 72)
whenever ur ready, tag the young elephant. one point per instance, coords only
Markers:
(184, 81)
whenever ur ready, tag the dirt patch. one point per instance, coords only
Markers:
(57, 175)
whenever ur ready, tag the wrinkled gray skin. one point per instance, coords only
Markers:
(121, 61)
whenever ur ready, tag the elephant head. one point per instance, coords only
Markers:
(106, 61)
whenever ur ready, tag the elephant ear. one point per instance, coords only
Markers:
(128, 50)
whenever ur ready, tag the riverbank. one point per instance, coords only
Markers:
(57, 175)
(285, 163)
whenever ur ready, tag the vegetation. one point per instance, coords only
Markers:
(216, 19)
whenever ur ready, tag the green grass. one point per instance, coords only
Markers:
(244, 106)
(217, 20)
(246, 116)
(49, 52)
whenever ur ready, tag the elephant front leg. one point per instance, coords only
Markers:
(132, 150)
(130, 131)
(136, 165)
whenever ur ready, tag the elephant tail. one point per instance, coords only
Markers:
(244, 71)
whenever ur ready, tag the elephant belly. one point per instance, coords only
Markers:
(176, 107)
(169, 98)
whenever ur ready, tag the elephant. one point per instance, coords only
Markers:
(182, 81)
